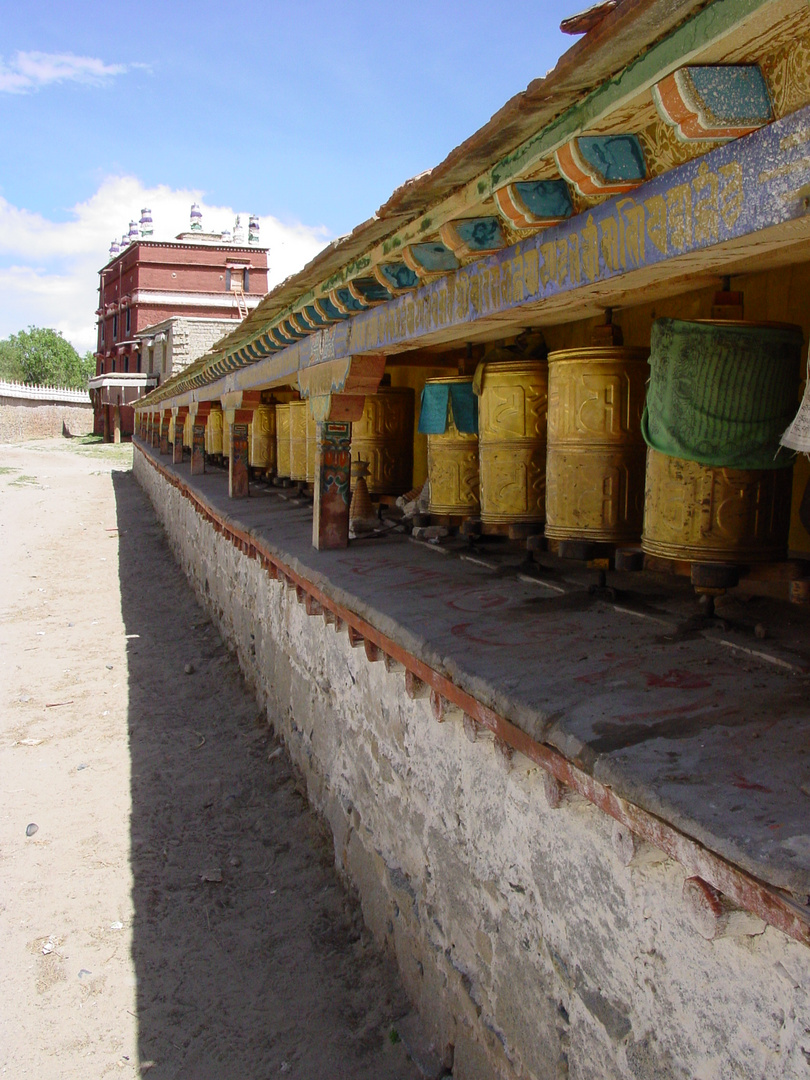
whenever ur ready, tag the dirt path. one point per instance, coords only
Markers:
(174, 912)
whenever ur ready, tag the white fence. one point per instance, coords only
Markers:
(44, 393)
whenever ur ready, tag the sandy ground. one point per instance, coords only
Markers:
(174, 911)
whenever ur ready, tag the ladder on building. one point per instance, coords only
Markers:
(241, 302)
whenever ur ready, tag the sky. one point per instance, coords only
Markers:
(307, 114)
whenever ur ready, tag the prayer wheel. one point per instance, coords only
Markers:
(384, 438)
(312, 446)
(596, 453)
(703, 513)
(298, 440)
(512, 441)
(283, 440)
(187, 426)
(213, 432)
(171, 430)
(721, 394)
(453, 458)
(262, 438)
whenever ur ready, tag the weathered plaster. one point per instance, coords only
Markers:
(525, 941)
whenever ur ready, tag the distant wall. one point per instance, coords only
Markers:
(42, 412)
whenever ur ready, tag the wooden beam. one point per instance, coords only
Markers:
(745, 196)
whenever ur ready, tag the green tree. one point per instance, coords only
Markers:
(42, 357)
(88, 363)
(10, 362)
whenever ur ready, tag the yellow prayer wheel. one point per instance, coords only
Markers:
(721, 393)
(512, 441)
(383, 437)
(453, 464)
(298, 440)
(596, 453)
(262, 438)
(171, 430)
(312, 446)
(705, 513)
(187, 426)
(283, 440)
(213, 432)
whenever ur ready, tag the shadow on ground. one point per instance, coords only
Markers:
(251, 960)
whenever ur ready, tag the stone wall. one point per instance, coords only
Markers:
(21, 420)
(529, 946)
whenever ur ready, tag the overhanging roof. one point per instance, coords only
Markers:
(599, 84)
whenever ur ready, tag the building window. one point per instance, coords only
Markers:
(227, 281)
(115, 328)
(101, 333)
(151, 366)
(126, 362)
(247, 280)
(129, 321)
(138, 360)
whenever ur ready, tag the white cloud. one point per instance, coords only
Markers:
(49, 269)
(31, 70)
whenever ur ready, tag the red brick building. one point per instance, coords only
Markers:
(198, 274)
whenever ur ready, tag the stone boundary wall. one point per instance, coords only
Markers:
(40, 412)
(534, 938)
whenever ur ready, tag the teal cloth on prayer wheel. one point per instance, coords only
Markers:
(433, 413)
(722, 393)
(465, 407)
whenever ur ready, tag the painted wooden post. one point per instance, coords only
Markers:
(238, 487)
(199, 416)
(330, 522)
(237, 410)
(179, 423)
(198, 448)
(164, 432)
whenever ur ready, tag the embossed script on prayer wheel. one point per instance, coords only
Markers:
(512, 441)
(298, 440)
(705, 513)
(596, 453)
(453, 462)
(312, 446)
(283, 440)
(383, 437)
(262, 438)
(213, 432)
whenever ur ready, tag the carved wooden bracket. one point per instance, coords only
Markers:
(336, 389)
(238, 406)
(199, 410)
